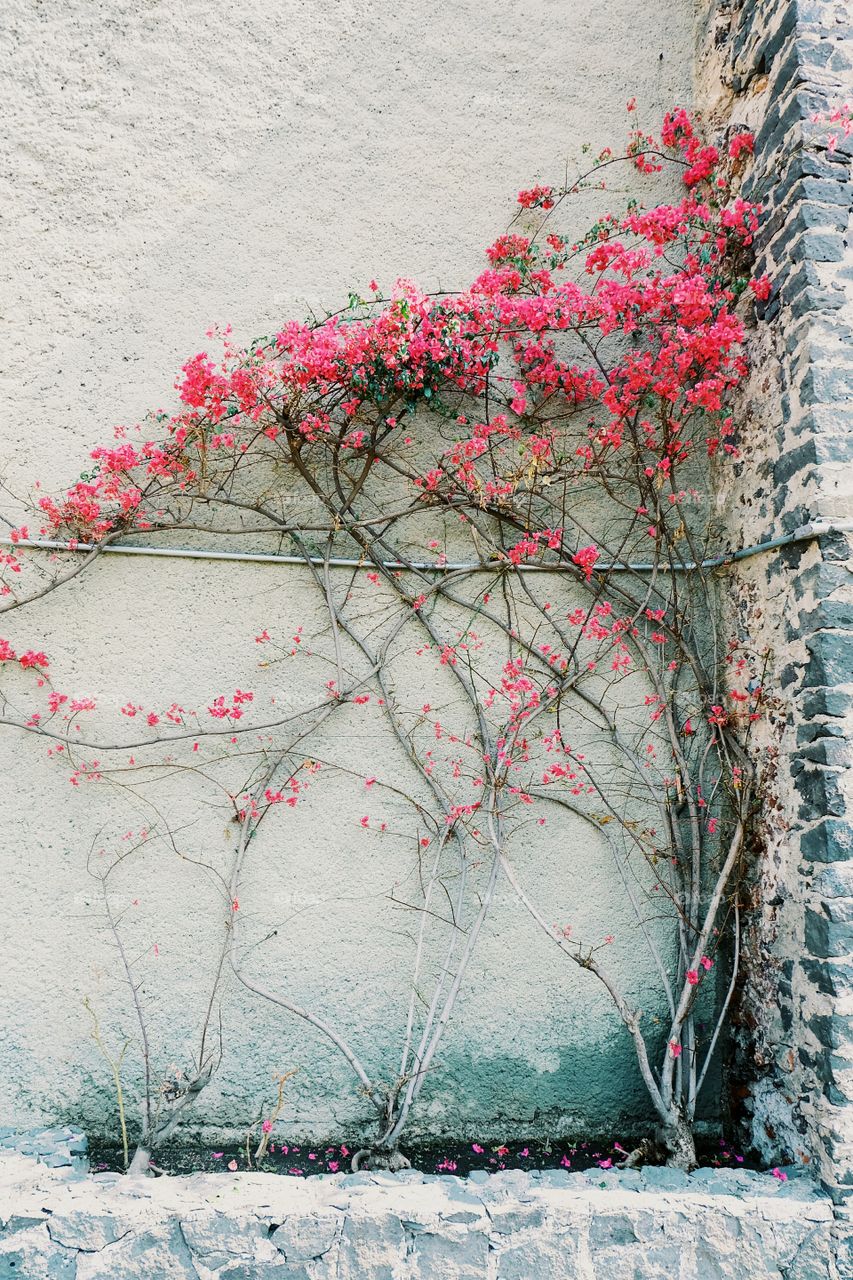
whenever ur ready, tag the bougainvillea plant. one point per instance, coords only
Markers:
(511, 483)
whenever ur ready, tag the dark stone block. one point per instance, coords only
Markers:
(832, 751)
(813, 731)
(798, 188)
(793, 218)
(833, 884)
(826, 1031)
(611, 1229)
(821, 791)
(826, 702)
(824, 384)
(790, 278)
(811, 300)
(831, 658)
(793, 462)
(823, 578)
(830, 840)
(827, 938)
(814, 54)
(831, 977)
(780, 127)
(818, 246)
(788, 675)
(763, 52)
(837, 546)
(832, 424)
(834, 449)
(816, 164)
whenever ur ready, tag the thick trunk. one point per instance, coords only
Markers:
(676, 1138)
(377, 1158)
(158, 1131)
(140, 1163)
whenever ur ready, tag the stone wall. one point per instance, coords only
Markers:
(773, 66)
(654, 1225)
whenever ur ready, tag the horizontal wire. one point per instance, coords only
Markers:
(807, 533)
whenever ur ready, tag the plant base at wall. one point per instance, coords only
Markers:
(301, 1159)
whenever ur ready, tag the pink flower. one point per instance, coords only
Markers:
(777, 1173)
(475, 1146)
(267, 1126)
(741, 142)
(674, 1048)
(585, 559)
(33, 659)
(692, 977)
(217, 1155)
(537, 197)
(761, 288)
(706, 963)
(232, 1165)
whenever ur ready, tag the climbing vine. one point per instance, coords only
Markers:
(500, 497)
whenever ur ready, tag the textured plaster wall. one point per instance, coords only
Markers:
(167, 166)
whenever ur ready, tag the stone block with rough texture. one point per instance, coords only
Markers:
(639, 1225)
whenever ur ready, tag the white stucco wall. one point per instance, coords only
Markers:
(171, 166)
